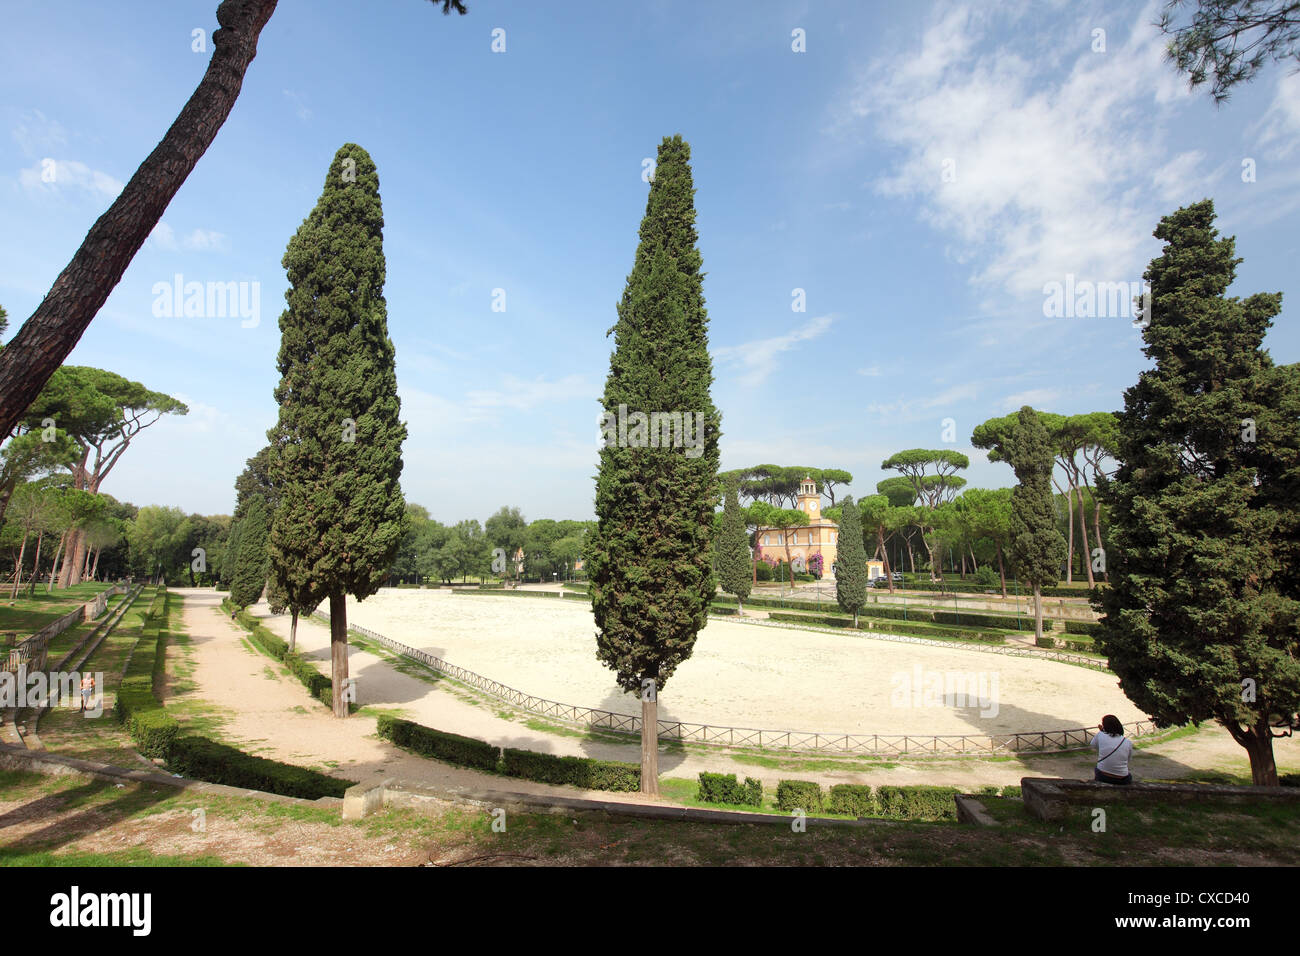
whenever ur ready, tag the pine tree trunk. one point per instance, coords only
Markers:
(339, 650)
(884, 554)
(293, 631)
(71, 556)
(54, 568)
(18, 568)
(81, 289)
(1002, 571)
(1083, 536)
(36, 567)
(85, 564)
(650, 746)
(94, 570)
(1069, 547)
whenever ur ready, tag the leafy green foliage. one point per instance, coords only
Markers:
(650, 561)
(1205, 564)
(851, 562)
(253, 561)
(337, 446)
(735, 570)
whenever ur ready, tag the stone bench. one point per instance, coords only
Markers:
(1049, 798)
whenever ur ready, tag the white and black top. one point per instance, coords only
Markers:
(1113, 753)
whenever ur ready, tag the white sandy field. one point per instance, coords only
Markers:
(753, 676)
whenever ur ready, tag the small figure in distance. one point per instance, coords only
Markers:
(1113, 750)
(87, 689)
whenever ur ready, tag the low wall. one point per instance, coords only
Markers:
(1049, 798)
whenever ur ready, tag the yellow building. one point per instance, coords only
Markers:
(819, 536)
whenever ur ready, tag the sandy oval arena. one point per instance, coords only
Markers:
(742, 675)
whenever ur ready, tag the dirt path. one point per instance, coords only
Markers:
(277, 718)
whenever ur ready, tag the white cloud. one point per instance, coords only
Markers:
(1050, 167)
(38, 135)
(872, 371)
(198, 240)
(952, 399)
(758, 359)
(164, 237)
(1279, 128)
(528, 396)
(299, 105)
(49, 175)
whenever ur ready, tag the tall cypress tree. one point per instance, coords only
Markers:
(338, 441)
(252, 561)
(850, 560)
(650, 563)
(735, 566)
(1202, 615)
(1037, 546)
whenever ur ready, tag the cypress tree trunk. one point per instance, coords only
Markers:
(339, 649)
(649, 747)
(1258, 743)
(1038, 611)
(293, 630)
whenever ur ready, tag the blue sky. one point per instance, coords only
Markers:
(921, 172)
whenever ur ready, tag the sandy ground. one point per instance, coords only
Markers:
(276, 718)
(745, 676)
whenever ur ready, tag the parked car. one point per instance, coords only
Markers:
(897, 576)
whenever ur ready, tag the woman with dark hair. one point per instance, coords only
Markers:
(1113, 750)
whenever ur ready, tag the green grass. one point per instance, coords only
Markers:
(26, 615)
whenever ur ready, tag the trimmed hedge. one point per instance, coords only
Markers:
(321, 686)
(713, 609)
(462, 751)
(894, 627)
(1045, 641)
(1089, 628)
(805, 795)
(853, 799)
(723, 788)
(582, 772)
(917, 803)
(138, 706)
(208, 760)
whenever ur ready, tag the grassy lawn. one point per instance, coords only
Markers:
(74, 821)
(26, 615)
(66, 731)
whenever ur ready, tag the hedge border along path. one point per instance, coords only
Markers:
(585, 773)
(319, 685)
(157, 733)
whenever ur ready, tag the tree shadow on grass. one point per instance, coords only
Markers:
(96, 816)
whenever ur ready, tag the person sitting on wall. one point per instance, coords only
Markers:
(1113, 750)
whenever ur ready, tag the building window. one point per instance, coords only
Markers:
(766, 540)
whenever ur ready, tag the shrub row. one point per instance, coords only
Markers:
(722, 610)
(582, 772)
(1090, 628)
(723, 788)
(138, 706)
(896, 627)
(891, 802)
(576, 771)
(917, 615)
(802, 795)
(463, 751)
(966, 587)
(208, 760)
